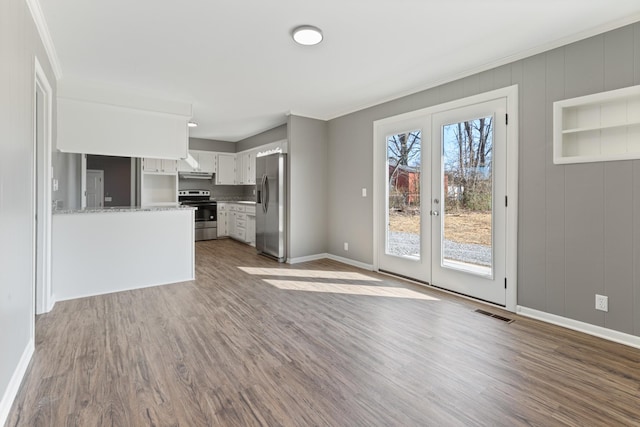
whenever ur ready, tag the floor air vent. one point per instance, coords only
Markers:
(496, 316)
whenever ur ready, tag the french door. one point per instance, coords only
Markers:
(404, 248)
(468, 212)
(441, 197)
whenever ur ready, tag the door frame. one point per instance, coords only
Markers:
(100, 173)
(511, 226)
(42, 206)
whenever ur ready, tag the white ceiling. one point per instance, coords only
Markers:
(237, 64)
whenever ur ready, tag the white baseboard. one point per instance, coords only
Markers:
(597, 331)
(14, 384)
(306, 258)
(331, 257)
(351, 262)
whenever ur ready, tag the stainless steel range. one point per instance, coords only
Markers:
(206, 212)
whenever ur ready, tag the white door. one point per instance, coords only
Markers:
(403, 152)
(468, 212)
(443, 177)
(95, 188)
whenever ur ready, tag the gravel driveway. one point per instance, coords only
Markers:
(408, 244)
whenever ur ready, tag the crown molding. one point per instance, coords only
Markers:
(546, 47)
(45, 36)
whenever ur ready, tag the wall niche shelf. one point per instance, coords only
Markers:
(595, 128)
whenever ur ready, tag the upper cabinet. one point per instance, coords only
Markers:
(112, 122)
(246, 167)
(158, 182)
(198, 161)
(150, 165)
(226, 173)
(600, 127)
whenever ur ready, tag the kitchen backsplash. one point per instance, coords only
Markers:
(219, 192)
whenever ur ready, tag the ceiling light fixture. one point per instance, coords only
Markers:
(192, 124)
(307, 35)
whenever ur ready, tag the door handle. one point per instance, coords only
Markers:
(435, 213)
(267, 195)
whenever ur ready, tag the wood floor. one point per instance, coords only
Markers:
(252, 342)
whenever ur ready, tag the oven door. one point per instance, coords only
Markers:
(206, 212)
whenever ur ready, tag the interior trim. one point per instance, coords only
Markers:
(576, 325)
(601, 29)
(14, 384)
(45, 36)
(351, 262)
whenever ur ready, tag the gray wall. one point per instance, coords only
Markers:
(67, 170)
(579, 225)
(19, 43)
(117, 178)
(212, 145)
(308, 168)
(272, 135)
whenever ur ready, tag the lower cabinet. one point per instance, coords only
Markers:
(251, 225)
(223, 220)
(240, 222)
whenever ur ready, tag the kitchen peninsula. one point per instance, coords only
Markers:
(104, 250)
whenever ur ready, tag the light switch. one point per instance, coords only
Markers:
(364, 192)
(55, 184)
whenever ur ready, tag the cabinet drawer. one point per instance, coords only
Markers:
(222, 207)
(251, 210)
(241, 216)
(241, 234)
(241, 223)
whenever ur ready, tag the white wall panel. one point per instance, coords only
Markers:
(111, 130)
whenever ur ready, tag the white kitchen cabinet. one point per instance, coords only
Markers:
(231, 222)
(246, 167)
(159, 165)
(226, 174)
(198, 161)
(240, 176)
(158, 189)
(241, 222)
(223, 220)
(158, 182)
(251, 225)
(207, 161)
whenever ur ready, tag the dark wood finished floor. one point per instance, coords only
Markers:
(252, 342)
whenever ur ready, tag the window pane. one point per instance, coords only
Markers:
(467, 222)
(403, 190)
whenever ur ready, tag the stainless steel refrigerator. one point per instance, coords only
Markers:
(271, 205)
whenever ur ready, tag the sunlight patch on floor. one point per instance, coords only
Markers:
(313, 274)
(342, 288)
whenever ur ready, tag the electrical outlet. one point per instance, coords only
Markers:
(602, 303)
(364, 192)
(346, 246)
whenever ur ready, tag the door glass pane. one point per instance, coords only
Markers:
(403, 194)
(467, 195)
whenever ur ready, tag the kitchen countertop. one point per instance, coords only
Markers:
(238, 202)
(121, 209)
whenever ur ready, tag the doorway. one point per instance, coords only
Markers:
(42, 199)
(95, 188)
(445, 196)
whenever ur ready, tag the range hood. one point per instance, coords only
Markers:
(195, 175)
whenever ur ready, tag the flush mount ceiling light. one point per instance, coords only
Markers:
(307, 35)
(192, 124)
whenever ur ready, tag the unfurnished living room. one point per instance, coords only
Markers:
(353, 213)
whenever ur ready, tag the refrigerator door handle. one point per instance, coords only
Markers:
(260, 196)
(267, 196)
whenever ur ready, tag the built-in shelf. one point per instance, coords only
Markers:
(600, 127)
(159, 189)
